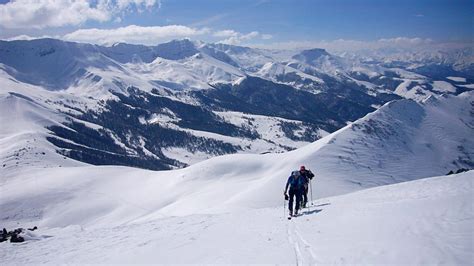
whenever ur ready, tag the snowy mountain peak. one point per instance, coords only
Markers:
(177, 49)
(311, 55)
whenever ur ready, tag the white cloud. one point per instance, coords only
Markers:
(135, 34)
(226, 33)
(122, 4)
(151, 35)
(236, 38)
(25, 37)
(41, 14)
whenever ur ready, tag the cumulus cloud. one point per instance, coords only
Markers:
(135, 34)
(152, 34)
(234, 37)
(41, 14)
(225, 33)
(25, 37)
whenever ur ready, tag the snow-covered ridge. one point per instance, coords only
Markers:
(401, 141)
(60, 108)
(183, 64)
(404, 138)
(308, 92)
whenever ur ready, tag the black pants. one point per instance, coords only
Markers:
(294, 194)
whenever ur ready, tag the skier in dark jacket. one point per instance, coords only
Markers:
(308, 176)
(295, 184)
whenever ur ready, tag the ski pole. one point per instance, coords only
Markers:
(309, 205)
(311, 190)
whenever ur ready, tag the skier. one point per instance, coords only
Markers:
(308, 176)
(296, 188)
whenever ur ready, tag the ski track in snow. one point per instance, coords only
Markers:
(307, 247)
(296, 247)
(304, 254)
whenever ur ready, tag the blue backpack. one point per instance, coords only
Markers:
(296, 181)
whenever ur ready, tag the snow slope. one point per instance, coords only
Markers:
(457, 79)
(119, 214)
(422, 222)
(403, 140)
(30, 108)
(23, 119)
(91, 70)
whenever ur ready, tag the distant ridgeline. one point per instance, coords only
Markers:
(180, 102)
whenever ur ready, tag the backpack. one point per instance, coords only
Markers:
(296, 180)
(308, 175)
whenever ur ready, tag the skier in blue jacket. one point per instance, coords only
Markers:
(296, 183)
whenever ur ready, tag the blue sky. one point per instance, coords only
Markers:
(362, 20)
(240, 22)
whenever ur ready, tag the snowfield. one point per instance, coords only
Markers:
(443, 86)
(230, 209)
(421, 222)
(457, 79)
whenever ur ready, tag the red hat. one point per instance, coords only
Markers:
(302, 168)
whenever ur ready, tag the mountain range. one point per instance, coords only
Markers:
(174, 104)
